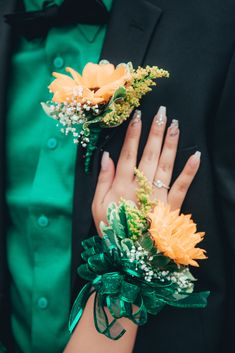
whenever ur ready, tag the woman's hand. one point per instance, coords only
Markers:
(157, 164)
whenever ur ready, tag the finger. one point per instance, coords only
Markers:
(180, 187)
(150, 157)
(167, 160)
(105, 180)
(127, 160)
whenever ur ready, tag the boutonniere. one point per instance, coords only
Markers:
(140, 264)
(102, 97)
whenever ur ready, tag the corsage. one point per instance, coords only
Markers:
(140, 264)
(102, 97)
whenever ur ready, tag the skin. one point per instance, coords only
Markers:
(157, 162)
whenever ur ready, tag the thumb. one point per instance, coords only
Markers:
(105, 180)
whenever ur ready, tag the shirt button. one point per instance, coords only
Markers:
(58, 62)
(52, 143)
(42, 303)
(43, 221)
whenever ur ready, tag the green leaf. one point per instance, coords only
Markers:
(112, 206)
(115, 223)
(93, 121)
(47, 108)
(105, 112)
(123, 217)
(127, 244)
(189, 275)
(118, 228)
(146, 242)
(103, 227)
(160, 260)
(106, 231)
(171, 266)
(120, 93)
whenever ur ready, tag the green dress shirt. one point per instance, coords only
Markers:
(41, 162)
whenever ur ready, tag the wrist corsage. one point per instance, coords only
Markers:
(140, 264)
(102, 97)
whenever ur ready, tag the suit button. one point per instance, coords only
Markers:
(43, 221)
(58, 62)
(42, 303)
(52, 143)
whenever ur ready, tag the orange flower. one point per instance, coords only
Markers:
(175, 235)
(97, 83)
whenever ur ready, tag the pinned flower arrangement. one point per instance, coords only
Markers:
(102, 97)
(140, 264)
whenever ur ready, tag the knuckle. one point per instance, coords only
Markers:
(183, 186)
(157, 131)
(170, 145)
(128, 154)
(165, 166)
(149, 155)
(189, 172)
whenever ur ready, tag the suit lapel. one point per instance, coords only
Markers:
(130, 30)
(129, 33)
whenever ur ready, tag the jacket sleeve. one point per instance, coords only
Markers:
(222, 133)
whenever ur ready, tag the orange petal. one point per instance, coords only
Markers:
(95, 76)
(76, 76)
(90, 75)
(60, 83)
(89, 95)
(120, 73)
(108, 90)
(105, 71)
(60, 97)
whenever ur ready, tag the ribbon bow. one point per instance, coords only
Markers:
(36, 24)
(120, 289)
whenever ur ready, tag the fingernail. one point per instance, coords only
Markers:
(174, 128)
(160, 118)
(195, 159)
(197, 155)
(136, 117)
(105, 161)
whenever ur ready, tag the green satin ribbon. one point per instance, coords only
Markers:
(121, 291)
(94, 134)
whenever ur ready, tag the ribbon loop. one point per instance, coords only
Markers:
(121, 291)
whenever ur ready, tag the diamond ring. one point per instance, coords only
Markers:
(159, 184)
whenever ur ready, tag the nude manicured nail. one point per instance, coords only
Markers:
(174, 128)
(160, 118)
(197, 155)
(136, 117)
(195, 159)
(105, 161)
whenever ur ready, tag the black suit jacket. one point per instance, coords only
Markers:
(194, 40)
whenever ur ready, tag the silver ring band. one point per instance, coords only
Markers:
(159, 184)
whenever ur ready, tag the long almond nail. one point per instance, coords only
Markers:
(195, 159)
(136, 117)
(174, 128)
(160, 118)
(105, 161)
